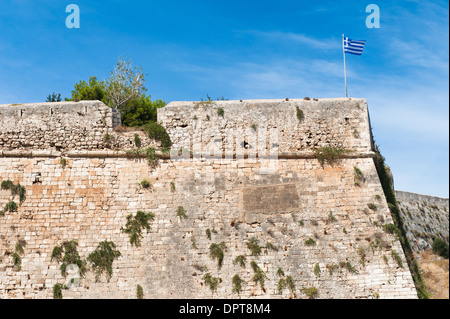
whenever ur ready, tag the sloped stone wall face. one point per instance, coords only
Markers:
(89, 200)
(425, 218)
(312, 221)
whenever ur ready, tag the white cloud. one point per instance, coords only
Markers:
(296, 38)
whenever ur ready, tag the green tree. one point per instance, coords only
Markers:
(125, 84)
(54, 97)
(140, 111)
(124, 90)
(94, 90)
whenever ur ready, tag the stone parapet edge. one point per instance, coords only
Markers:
(112, 154)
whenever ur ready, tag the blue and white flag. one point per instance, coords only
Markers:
(353, 46)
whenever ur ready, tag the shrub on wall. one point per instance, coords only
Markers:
(135, 224)
(254, 247)
(181, 213)
(300, 114)
(139, 292)
(157, 132)
(16, 189)
(57, 291)
(329, 154)
(240, 260)
(10, 207)
(67, 254)
(102, 259)
(216, 252)
(211, 281)
(259, 276)
(237, 284)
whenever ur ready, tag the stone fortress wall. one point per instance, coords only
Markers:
(313, 221)
(425, 218)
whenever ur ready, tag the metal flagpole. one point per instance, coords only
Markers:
(345, 70)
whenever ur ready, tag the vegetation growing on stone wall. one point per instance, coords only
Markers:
(208, 233)
(372, 206)
(317, 270)
(193, 242)
(290, 283)
(135, 224)
(17, 261)
(300, 114)
(18, 250)
(280, 272)
(145, 183)
(397, 258)
(137, 141)
(391, 229)
(254, 247)
(63, 162)
(347, 265)
(259, 276)
(362, 251)
(102, 258)
(270, 246)
(181, 213)
(387, 185)
(157, 132)
(216, 252)
(139, 292)
(57, 291)
(310, 242)
(331, 218)
(16, 189)
(329, 154)
(7, 184)
(206, 102)
(310, 292)
(135, 153)
(10, 206)
(172, 187)
(220, 111)
(358, 177)
(108, 139)
(240, 260)
(237, 284)
(211, 281)
(152, 158)
(67, 254)
(285, 282)
(280, 286)
(331, 268)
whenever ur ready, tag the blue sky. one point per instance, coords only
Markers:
(248, 50)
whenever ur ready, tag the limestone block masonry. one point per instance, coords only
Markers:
(312, 221)
(425, 218)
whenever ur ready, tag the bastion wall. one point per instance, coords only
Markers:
(311, 219)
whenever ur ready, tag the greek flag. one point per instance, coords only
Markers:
(353, 46)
